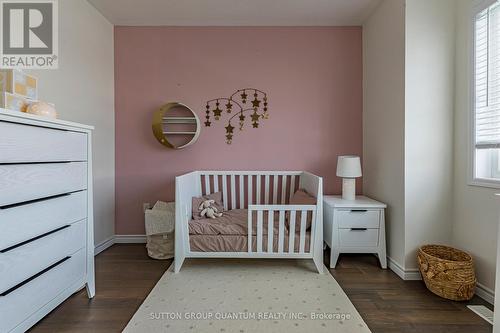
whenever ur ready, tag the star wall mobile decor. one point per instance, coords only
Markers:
(238, 105)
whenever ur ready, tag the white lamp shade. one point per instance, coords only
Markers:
(349, 167)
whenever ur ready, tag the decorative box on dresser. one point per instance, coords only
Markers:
(356, 226)
(46, 217)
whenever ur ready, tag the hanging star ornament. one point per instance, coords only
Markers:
(217, 112)
(242, 121)
(255, 116)
(229, 107)
(255, 103)
(229, 128)
(238, 102)
(255, 119)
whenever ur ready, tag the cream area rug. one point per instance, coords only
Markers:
(243, 296)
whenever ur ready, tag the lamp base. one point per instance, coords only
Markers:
(349, 189)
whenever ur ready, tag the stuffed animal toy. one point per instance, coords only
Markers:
(42, 109)
(208, 210)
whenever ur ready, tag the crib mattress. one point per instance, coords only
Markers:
(228, 233)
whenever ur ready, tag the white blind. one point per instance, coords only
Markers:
(487, 77)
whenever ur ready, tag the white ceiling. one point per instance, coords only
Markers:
(236, 12)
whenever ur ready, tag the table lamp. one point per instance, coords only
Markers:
(349, 168)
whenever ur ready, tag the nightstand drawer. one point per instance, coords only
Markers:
(358, 237)
(360, 218)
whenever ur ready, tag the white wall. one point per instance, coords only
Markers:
(429, 102)
(83, 91)
(416, 119)
(383, 117)
(409, 51)
(475, 208)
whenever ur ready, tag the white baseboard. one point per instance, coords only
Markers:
(414, 274)
(130, 239)
(119, 239)
(396, 268)
(104, 245)
(405, 274)
(485, 293)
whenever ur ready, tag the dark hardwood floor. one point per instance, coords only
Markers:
(389, 304)
(125, 276)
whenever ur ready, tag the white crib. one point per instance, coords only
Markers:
(257, 191)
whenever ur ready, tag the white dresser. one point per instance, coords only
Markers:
(46, 218)
(356, 226)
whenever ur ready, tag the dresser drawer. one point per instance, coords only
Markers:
(24, 143)
(24, 222)
(358, 238)
(18, 304)
(24, 182)
(19, 263)
(358, 218)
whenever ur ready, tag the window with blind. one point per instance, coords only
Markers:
(487, 94)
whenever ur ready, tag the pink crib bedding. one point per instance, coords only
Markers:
(228, 233)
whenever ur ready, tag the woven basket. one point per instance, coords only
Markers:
(447, 272)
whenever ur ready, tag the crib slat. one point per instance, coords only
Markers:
(249, 231)
(257, 195)
(233, 191)
(302, 244)
(283, 189)
(242, 192)
(259, 231)
(275, 189)
(224, 191)
(313, 226)
(270, 230)
(291, 236)
(266, 189)
(216, 183)
(207, 184)
(281, 231)
(292, 187)
(250, 189)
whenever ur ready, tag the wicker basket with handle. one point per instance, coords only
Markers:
(447, 272)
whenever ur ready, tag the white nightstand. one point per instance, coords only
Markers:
(354, 227)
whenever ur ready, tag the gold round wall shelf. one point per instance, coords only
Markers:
(176, 126)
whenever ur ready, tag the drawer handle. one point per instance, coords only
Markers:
(359, 229)
(359, 210)
(53, 162)
(37, 200)
(19, 285)
(10, 248)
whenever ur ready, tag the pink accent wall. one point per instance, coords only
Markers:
(313, 77)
